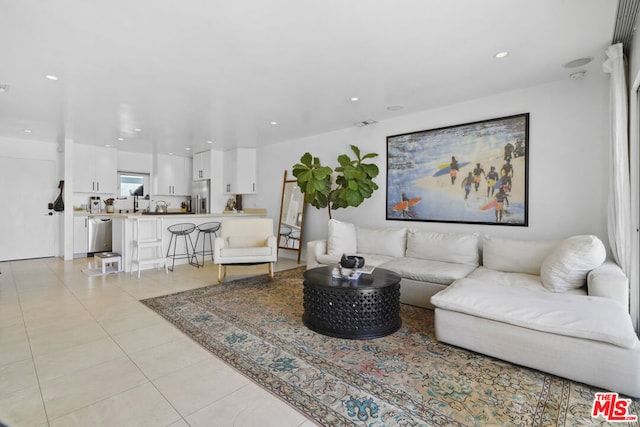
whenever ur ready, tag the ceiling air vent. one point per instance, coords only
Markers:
(625, 22)
(364, 123)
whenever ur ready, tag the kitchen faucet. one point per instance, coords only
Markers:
(135, 203)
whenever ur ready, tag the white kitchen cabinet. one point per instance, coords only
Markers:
(173, 175)
(185, 187)
(202, 165)
(80, 235)
(95, 169)
(229, 167)
(240, 167)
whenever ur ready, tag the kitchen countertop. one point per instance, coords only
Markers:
(128, 215)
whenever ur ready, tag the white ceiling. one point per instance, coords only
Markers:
(186, 72)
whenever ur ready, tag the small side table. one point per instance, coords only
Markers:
(107, 260)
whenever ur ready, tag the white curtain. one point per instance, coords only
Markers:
(620, 227)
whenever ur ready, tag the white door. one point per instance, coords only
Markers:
(27, 230)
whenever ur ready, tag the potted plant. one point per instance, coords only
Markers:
(109, 205)
(353, 180)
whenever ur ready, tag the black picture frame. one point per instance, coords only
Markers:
(433, 175)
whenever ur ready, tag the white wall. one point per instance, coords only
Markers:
(27, 149)
(568, 160)
(129, 161)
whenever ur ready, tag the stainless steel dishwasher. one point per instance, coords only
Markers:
(99, 234)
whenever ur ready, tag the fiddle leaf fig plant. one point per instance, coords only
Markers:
(353, 180)
(314, 180)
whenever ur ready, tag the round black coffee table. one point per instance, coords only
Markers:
(368, 307)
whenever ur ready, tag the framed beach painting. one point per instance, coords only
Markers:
(469, 173)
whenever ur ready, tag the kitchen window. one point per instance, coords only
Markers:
(132, 184)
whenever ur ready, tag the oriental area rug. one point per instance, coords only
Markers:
(405, 379)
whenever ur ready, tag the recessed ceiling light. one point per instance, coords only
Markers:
(577, 62)
(274, 123)
(107, 145)
(51, 77)
(120, 139)
(28, 131)
(171, 154)
(502, 54)
(354, 99)
(209, 142)
(395, 107)
(188, 148)
(138, 130)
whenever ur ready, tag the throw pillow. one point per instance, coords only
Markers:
(515, 256)
(566, 267)
(342, 238)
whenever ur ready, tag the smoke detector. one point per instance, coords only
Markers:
(395, 107)
(577, 75)
(4, 87)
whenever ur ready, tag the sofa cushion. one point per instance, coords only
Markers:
(445, 247)
(370, 259)
(531, 282)
(342, 238)
(515, 256)
(327, 259)
(375, 259)
(566, 267)
(593, 318)
(382, 241)
(423, 270)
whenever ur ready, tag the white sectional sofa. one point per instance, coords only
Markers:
(556, 306)
(428, 262)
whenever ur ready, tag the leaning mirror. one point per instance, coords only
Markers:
(291, 216)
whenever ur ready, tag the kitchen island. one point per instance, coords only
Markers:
(123, 230)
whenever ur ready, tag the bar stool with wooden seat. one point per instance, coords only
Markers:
(183, 229)
(205, 229)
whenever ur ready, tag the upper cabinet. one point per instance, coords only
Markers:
(173, 175)
(202, 165)
(95, 169)
(239, 168)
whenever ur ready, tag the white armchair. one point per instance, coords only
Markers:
(245, 241)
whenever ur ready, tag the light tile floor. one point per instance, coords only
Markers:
(82, 351)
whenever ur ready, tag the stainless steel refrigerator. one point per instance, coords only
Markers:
(201, 196)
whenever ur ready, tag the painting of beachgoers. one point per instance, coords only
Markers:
(470, 173)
